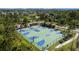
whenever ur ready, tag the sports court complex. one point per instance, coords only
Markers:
(41, 37)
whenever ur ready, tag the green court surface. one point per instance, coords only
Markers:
(41, 37)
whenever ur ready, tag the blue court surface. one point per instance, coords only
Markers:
(41, 37)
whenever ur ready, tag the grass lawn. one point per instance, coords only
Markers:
(52, 48)
(24, 42)
(69, 47)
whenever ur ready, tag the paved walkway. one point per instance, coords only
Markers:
(38, 22)
(60, 45)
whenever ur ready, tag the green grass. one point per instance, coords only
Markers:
(25, 42)
(68, 47)
(52, 47)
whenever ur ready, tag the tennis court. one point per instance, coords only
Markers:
(41, 37)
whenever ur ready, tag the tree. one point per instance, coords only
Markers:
(2, 28)
(72, 15)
